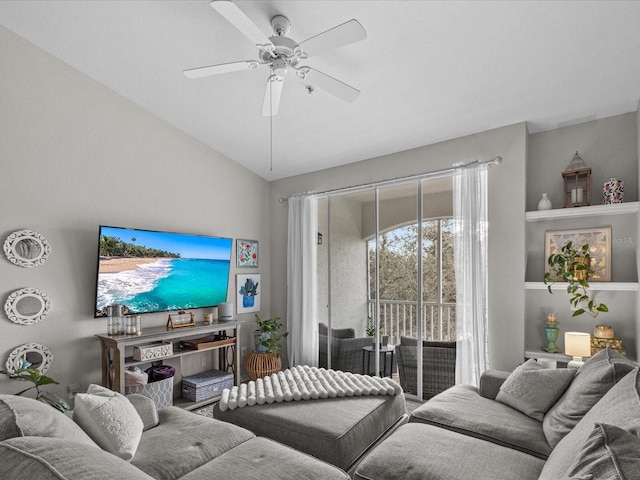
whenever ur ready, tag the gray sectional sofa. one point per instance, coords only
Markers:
(39, 442)
(530, 424)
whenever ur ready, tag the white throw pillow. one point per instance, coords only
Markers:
(110, 420)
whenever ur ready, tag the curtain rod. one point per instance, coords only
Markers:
(383, 183)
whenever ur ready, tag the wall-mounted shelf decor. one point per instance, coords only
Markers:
(30, 355)
(26, 248)
(27, 306)
(558, 213)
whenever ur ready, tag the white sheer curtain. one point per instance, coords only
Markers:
(302, 323)
(470, 254)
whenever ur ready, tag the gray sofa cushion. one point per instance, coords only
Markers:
(55, 458)
(425, 452)
(184, 441)
(264, 459)
(610, 452)
(619, 407)
(146, 408)
(336, 430)
(593, 380)
(24, 417)
(463, 410)
(532, 389)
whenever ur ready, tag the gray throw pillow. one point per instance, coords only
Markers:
(26, 417)
(610, 452)
(619, 407)
(532, 389)
(593, 380)
(110, 420)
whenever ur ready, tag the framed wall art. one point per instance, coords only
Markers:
(248, 290)
(599, 240)
(246, 253)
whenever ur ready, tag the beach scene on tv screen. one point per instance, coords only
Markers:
(150, 271)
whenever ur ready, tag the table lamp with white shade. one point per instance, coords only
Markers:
(578, 345)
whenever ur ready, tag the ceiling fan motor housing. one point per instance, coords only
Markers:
(281, 25)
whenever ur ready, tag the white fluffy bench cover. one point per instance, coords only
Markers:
(305, 383)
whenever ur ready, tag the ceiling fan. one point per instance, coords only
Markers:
(281, 53)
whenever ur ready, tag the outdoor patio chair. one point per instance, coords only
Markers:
(438, 366)
(346, 349)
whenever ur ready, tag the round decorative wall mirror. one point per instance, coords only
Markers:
(26, 248)
(30, 355)
(27, 306)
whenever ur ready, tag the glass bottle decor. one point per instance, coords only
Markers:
(544, 203)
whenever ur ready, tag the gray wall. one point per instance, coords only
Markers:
(75, 155)
(506, 220)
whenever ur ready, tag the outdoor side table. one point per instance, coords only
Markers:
(385, 351)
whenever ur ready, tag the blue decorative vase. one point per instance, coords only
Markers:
(260, 336)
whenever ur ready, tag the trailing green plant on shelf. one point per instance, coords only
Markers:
(39, 380)
(268, 335)
(573, 265)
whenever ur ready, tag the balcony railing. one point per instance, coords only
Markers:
(399, 318)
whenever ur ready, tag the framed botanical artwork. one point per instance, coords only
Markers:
(246, 253)
(599, 241)
(248, 290)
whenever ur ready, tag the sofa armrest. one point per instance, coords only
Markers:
(146, 408)
(490, 383)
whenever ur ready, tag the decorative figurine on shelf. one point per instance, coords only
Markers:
(181, 319)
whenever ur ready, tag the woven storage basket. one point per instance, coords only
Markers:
(160, 392)
(152, 351)
(205, 385)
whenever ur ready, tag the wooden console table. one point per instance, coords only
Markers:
(114, 360)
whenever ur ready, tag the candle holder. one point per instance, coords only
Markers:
(551, 331)
(577, 183)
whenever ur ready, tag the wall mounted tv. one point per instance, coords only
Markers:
(151, 271)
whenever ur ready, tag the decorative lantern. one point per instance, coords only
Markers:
(577, 183)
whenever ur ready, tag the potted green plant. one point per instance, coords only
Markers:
(268, 335)
(370, 331)
(34, 376)
(573, 265)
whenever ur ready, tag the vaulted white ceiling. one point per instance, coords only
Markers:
(428, 70)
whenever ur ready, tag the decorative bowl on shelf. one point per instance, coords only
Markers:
(603, 331)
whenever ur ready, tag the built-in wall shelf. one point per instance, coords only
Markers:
(609, 286)
(593, 210)
(539, 354)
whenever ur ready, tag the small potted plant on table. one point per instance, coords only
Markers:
(265, 360)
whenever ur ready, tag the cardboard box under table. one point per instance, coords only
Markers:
(204, 385)
(337, 430)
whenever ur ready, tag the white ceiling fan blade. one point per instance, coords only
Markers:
(348, 32)
(238, 19)
(328, 84)
(272, 95)
(222, 68)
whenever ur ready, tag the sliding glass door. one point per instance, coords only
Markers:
(385, 279)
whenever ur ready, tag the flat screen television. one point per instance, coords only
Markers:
(150, 271)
